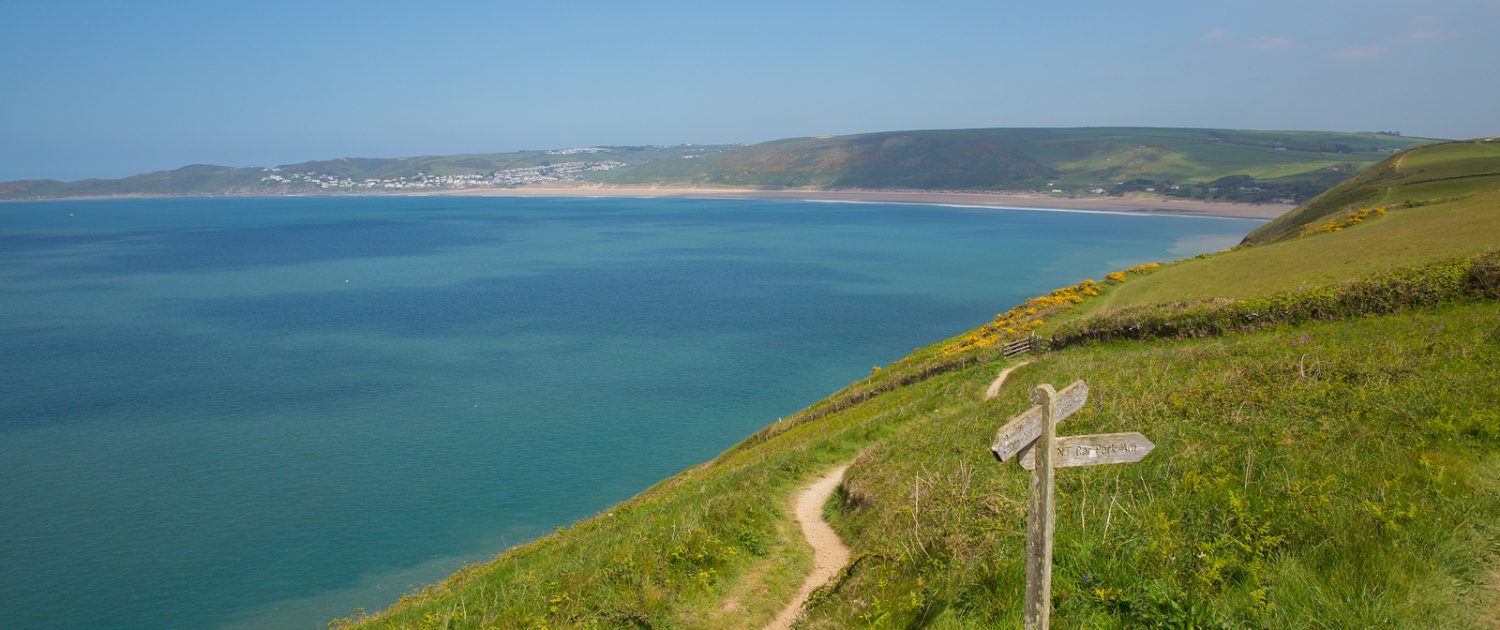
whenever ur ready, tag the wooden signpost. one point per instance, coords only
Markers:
(1024, 429)
(1033, 435)
(1093, 450)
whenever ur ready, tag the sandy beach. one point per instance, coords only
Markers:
(1146, 205)
(1155, 205)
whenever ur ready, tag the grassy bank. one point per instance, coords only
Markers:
(1421, 225)
(1279, 452)
(1338, 475)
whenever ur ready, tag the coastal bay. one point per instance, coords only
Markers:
(267, 412)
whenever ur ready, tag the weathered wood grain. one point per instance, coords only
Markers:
(1013, 348)
(1093, 450)
(1041, 512)
(1033, 434)
(1024, 429)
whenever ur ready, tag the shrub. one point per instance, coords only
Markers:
(1027, 317)
(1428, 285)
(1338, 224)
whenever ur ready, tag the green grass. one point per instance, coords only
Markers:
(673, 555)
(1339, 442)
(1435, 284)
(1330, 475)
(1189, 155)
(1439, 206)
(1404, 237)
(1333, 474)
(1433, 172)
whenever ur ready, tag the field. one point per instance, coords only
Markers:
(1260, 165)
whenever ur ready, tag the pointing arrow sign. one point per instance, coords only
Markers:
(1033, 435)
(1024, 429)
(1093, 450)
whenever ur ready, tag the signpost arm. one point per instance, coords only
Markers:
(1040, 512)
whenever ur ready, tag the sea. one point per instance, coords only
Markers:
(270, 412)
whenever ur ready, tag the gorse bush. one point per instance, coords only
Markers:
(1338, 224)
(1381, 293)
(1025, 318)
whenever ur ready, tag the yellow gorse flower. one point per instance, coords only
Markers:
(1338, 224)
(1025, 318)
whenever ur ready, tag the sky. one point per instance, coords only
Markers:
(108, 89)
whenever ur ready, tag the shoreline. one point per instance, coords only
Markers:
(996, 199)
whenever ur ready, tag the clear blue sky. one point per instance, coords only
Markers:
(106, 89)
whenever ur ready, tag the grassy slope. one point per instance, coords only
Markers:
(1024, 159)
(1344, 443)
(675, 552)
(1455, 212)
(1338, 474)
(1452, 169)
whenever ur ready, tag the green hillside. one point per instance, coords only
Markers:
(195, 179)
(1197, 163)
(1221, 164)
(1328, 455)
(1440, 201)
(468, 164)
(1443, 173)
(341, 175)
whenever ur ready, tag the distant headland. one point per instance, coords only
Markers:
(1174, 170)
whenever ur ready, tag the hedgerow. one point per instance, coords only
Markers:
(1380, 293)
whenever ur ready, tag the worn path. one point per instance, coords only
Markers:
(994, 388)
(829, 551)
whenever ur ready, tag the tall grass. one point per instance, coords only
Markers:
(1338, 474)
(1377, 294)
(1324, 471)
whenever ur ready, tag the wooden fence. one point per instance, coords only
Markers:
(1032, 344)
(1013, 348)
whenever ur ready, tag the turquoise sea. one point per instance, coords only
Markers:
(270, 412)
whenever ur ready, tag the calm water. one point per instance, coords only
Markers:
(269, 412)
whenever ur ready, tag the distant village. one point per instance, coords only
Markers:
(494, 179)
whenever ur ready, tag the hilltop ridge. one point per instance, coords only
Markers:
(1221, 164)
(1201, 164)
(1424, 175)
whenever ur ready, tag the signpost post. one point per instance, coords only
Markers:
(1033, 435)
